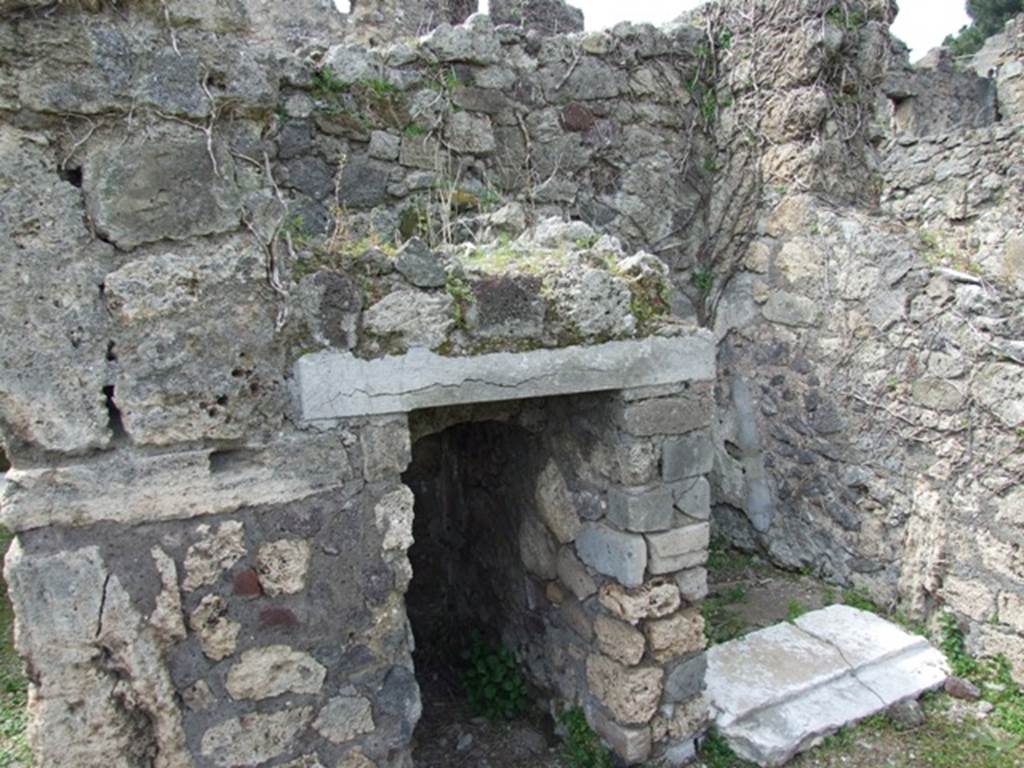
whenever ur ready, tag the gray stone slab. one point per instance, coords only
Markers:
(332, 385)
(779, 691)
(623, 556)
(641, 509)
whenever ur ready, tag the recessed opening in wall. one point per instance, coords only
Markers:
(476, 610)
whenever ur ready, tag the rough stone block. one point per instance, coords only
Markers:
(573, 574)
(619, 641)
(555, 505)
(668, 415)
(364, 183)
(255, 737)
(687, 456)
(655, 599)
(419, 319)
(633, 745)
(343, 718)
(685, 679)
(261, 673)
(693, 498)
(282, 565)
(641, 509)
(623, 556)
(693, 584)
(631, 694)
(161, 190)
(678, 549)
(537, 548)
(676, 635)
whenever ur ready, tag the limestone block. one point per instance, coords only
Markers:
(688, 456)
(619, 641)
(969, 596)
(421, 152)
(654, 599)
(678, 549)
(555, 505)
(255, 737)
(419, 319)
(393, 516)
(633, 745)
(463, 44)
(693, 584)
(593, 302)
(631, 694)
(622, 556)
(790, 309)
(668, 415)
(640, 509)
(282, 566)
(688, 719)
(693, 498)
(216, 551)
(685, 679)
(420, 266)
(166, 617)
(636, 462)
(470, 133)
(573, 574)
(166, 190)
(676, 635)
(537, 548)
(333, 385)
(384, 146)
(262, 673)
(218, 634)
(343, 718)
(126, 486)
(387, 448)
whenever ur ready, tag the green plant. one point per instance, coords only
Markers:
(795, 610)
(494, 684)
(327, 86)
(583, 748)
(703, 278)
(987, 18)
(715, 752)
(380, 87)
(845, 18)
(415, 129)
(463, 295)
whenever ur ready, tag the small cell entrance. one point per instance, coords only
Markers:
(472, 600)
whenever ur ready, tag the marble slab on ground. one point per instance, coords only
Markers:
(781, 690)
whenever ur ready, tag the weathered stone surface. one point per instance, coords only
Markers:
(418, 319)
(167, 618)
(363, 183)
(675, 636)
(343, 718)
(254, 738)
(593, 303)
(476, 45)
(631, 744)
(687, 456)
(641, 509)
(678, 549)
(554, 504)
(393, 516)
(466, 132)
(631, 694)
(537, 548)
(333, 385)
(573, 574)
(356, 759)
(384, 146)
(282, 566)
(693, 584)
(790, 309)
(779, 690)
(141, 193)
(548, 17)
(218, 634)
(667, 415)
(420, 266)
(618, 640)
(622, 556)
(685, 679)
(693, 498)
(216, 551)
(261, 673)
(129, 487)
(653, 600)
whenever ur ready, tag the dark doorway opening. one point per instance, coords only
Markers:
(473, 484)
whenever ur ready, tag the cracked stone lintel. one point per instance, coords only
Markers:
(335, 385)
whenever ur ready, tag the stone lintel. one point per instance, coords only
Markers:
(334, 385)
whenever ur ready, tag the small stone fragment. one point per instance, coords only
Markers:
(218, 634)
(619, 640)
(959, 688)
(247, 583)
(262, 673)
(213, 553)
(282, 566)
(167, 615)
(255, 737)
(356, 759)
(653, 600)
(343, 718)
(907, 714)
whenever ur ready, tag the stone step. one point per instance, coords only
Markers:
(781, 690)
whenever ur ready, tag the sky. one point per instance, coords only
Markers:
(921, 24)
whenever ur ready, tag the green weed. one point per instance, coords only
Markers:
(583, 748)
(715, 752)
(795, 610)
(493, 682)
(703, 279)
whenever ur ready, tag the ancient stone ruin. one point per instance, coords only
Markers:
(329, 337)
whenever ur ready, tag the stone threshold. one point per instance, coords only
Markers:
(781, 690)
